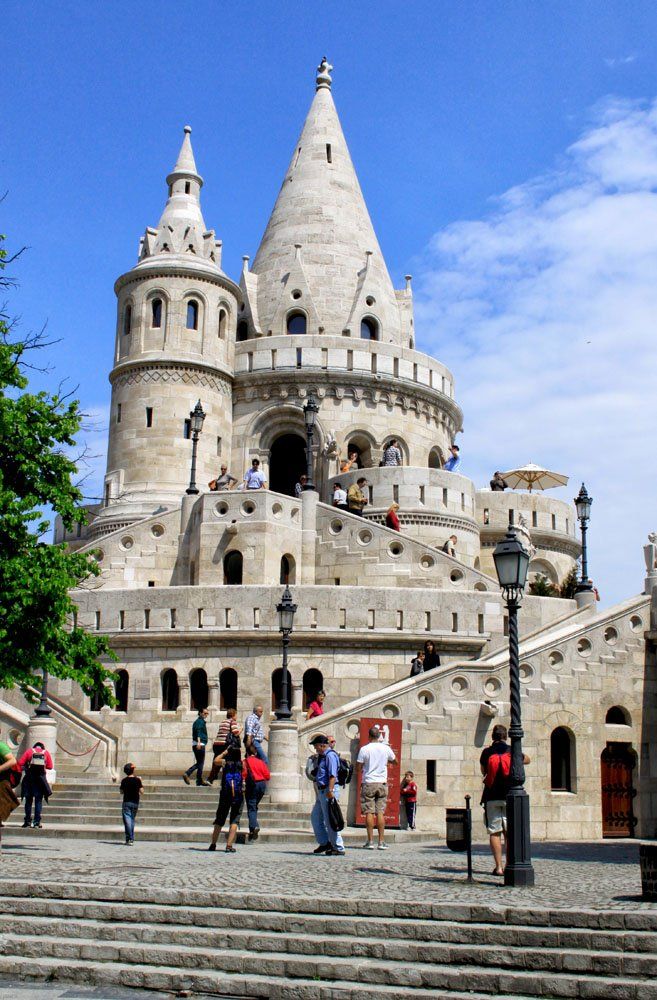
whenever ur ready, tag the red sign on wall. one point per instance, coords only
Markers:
(391, 733)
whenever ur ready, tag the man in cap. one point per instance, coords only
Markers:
(326, 783)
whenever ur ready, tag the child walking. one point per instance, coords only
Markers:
(408, 792)
(131, 790)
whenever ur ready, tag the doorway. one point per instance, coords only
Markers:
(287, 461)
(617, 763)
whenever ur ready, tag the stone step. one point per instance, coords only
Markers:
(338, 945)
(555, 980)
(150, 917)
(179, 981)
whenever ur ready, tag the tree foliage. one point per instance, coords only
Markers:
(540, 586)
(569, 586)
(36, 610)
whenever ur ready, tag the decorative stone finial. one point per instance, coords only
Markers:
(188, 129)
(323, 75)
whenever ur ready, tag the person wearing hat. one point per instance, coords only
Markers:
(326, 784)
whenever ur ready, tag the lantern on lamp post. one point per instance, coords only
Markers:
(196, 418)
(583, 506)
(286, 612)
(310, 411)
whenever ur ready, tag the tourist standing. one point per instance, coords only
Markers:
(454, 461)
(224, 481)
(392, 454)
(327, 789)
(199, 743)
(392, 521)
(431, 658)
(131, 789)
(373, 760)
(316, 707)
(356, 499)
(228, 732)
(300, 486)
(495, 764)
(408, 792)
(339, 497)
(231, 797)
(257, 776)
(35, 788)
(450, 546)
(254, 479)
(316, 814)
(254, 733)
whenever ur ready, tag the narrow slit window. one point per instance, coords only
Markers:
(147, 618)
(431, 775)
(118, 413)
(427, 621)
(329, 153)
(455, 621)
(127, 320)
(534, 519)
(192, 315)
(156, 313)
(187, 429)
(149, 416)
(299, 357)
(218, 447)
(188, 187)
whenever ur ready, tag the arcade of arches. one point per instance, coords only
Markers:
(287, 461)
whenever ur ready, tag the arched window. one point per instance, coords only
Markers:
(233, 564)
(156, 313)
(228, 688)
(121, 691)
(242, 331)
(127, 320)
(288, 569)
(170, 691)
(369, 329)
(296, 323)
(276, 688)
(313, 683)
(562, 760)
(617, 716)
(198, 690)
(435, 459)
(96, 702)
(223, 319)
(192, 315)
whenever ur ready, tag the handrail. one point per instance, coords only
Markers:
(71, 715)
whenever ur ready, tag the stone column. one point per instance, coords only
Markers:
(284, 761)
(585, 598)
(43, 728)
(309, 501)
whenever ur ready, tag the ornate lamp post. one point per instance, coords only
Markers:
(43, 709)
(583, 505)
(310, 411)
(511, 565)
(196, 418)
(286, 612)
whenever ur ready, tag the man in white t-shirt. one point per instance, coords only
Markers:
(373, 760)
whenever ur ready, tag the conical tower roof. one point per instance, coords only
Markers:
(320, 223)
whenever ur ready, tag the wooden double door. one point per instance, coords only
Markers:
(617, 764)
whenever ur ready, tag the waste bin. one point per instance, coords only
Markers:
(648, 861)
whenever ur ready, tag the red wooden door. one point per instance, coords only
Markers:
(617, 764)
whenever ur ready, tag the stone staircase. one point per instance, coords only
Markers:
(286, 946)
(169, 811)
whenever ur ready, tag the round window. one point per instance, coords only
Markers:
(526, 673)
(395, 549)
(425, 699)
(584, 647)
(221, 508)
(157, 530)
(460, 685)
(248, 507)
(336, 526)
(611, 635)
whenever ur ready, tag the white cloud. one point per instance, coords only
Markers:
(546, 311)
(613, 62)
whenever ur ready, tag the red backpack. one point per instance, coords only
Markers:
(498, 766)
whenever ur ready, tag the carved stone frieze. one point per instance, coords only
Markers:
(174, 373)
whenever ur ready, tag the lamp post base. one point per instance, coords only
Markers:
(518, 870)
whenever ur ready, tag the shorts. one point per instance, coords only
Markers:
(495, 815)
(228, 805)
(374, 798)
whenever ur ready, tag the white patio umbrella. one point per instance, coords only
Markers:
(533, 477)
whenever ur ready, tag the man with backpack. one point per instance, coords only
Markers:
(329, 768)
(34, 763)
(495, 763)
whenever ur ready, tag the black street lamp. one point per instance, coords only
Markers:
(583, 505)
(286, 612)
(310, 411)
(43, 709)
(511, 565)
(196, 418)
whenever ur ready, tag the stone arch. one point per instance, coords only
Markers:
(194, 294)
(233, 565)
(199, 695)
(312, 684)
(228, 688)
(121, 689)
(618, 715)
(288, 569)
(542, 567)
(369, 328)
(170, 690)
(296, 322)
(224, 317)
(563, 760)
(401, 444)
(436, 458)
(273, 422)
(364, 443)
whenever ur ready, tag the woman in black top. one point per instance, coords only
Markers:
(431, 658)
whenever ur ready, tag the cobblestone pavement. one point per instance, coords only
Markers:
(601, 875)
(43, 991)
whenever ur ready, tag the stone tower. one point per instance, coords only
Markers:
(175, 336)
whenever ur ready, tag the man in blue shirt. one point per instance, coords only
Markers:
(254, 734)
(327, 789)
(452, 464)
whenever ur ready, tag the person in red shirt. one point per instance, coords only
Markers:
(392, 521)
(408, 792)
(316, 707)
(34, 763)
(257, 776)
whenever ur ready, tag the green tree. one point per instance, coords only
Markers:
(36, 611)
(541, 587)
(569, 586)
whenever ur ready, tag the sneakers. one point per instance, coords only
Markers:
(212, 847)
(322, 849)
(369, 846)
(253, 834)
(37, 826)
(27, 822)
(382, 846)
(129, 843)
(185, 778)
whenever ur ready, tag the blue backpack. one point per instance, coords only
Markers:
(233, 778)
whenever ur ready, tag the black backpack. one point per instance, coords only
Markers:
(345, 769)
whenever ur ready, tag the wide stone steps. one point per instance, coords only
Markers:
(244, 947)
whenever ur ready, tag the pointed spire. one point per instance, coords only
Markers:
(185, 164)
(321, 208)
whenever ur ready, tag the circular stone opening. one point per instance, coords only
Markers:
(456, 576)
(611, 635)
(296, 294)
(365, 536)
(555, 658)
(370, 300)
(127, 542)
(425, 699)
(336, 526)
(636, 623)
(352, 728)
(427, 562)
(221, 508)
(157, 530)
(492, 685)
(391, 711)
(395, 549)
(460, 685)
(99, 555)
(526, 673)
(481, 587)
(584, 647)
(277, 509)
(295, 514)
(248, 507)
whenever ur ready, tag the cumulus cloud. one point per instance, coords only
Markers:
(546, 311)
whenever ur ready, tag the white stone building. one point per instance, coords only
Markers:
(189, 582)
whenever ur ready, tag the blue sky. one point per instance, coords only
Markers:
(507, 152)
